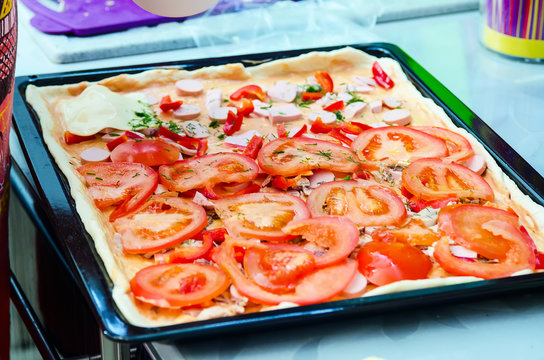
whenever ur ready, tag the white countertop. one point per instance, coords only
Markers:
(509, 96)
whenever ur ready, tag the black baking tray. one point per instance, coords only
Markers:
(91, 275)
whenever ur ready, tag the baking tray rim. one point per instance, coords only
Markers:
(98, 291)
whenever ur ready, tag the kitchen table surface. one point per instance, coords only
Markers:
(509, 96)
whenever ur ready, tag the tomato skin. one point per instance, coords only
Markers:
(318, 127)
(261, 215)
(248, 92)
(147, 152)
(293, 156)
(429, 179)
(338, 135)
(354, 128)
(392, 144)
(217, 235)
(386, 262)
(166, 104)
(207, 171)
(381, 77)
(253, 147)
(282, 133)
(459, 147)
(118, 183)
(178, 285)
(316, 287)
(416, 204)
(140, 233)
(303, 130)
(71, 139)
(233, 123)
(324, 80)
(335, 106)
(339, 234)
(189, 254)
(182, 140)
(363, 202)
(311, 96)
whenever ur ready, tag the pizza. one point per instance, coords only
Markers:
(228, 189)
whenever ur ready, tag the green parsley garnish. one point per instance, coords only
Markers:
(214, 124)
(327, 154)
(221, 136)
(137, 174)
(98, 178)
(347, 178)
(90, 173)
(145, 119)
(173, 127)
(278, 152)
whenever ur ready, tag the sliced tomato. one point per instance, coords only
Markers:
(339, 136)
(185, 141)
(128, 184)
(71, 139)
(261, 215)
(495, 237)
(184, 254)
(459, 147)
(335, 106)
(278, 267)
(217, 235)
(318, 286)
(206, 171)
(160, 223)
(318, 127)
(392, 144)
(292, 156)
(148, 152)
(381, 77)
(324, 80)
(434, 179)
(363, 202)
(248, 92)
(253, 146)
(416, 204)
(221, 190)
(311, 96)
(386, 262)
(167, 104)
(414, 233)
(331, 239)
(281, 182)
(178, 285)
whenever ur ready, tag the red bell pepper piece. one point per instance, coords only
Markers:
(167, 104)
(335, 106)
(253, 147)
(363, 174)
(335, 133)
(185, 141)
(202, 147)
(248, 92)
(324, 80)
(117, 141)
(311, 96)
(303, 130)
(281, 182)
(233, 123)
(281, 130)
(354, 128)
(70, 138)
(319, 128)
(416, 204)
(381, 77)
(217, 235)
(186, 254)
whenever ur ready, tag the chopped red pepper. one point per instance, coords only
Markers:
(184, 141)
(281, 182)
(335, 106)
(319, 128)
(133, 135)
(202, 147)
(416, 204)
(303, 130)
(233, 123)
(281, 130)
(381, 76)
(70, 138)
(253, 147)
(363, 174)
(167, 104)
(335, 133)
(354, 128)
(186, 254)
(117, 141)
(217, 235)
(324, 80)
(311, 96)
(248, 92)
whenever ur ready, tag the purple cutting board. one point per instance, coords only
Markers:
(89, 17)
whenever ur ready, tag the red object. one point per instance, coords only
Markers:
(303, 130)
(233, 123)
(416, 204)
(335, 106)
(186, 254)
(117, 141)
(248, 92)
(185, 141)
(381, 77)
(70, 138)
(281, 182)
(354, 128)
(253, 147)
(335, 133)
(217, 235)
(324, 80)
(318, 127)
(281, 130)
(167, 104)
(311, 96)
(147, 151)
(202, 147)
(245, 108)
(459, 147)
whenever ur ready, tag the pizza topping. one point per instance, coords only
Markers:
(220, 114)
(399, 117)
(354, 109)
(375, 106)
(324, 80)
(178, 285)
(363, 202)
(206, 171)
(243, 139)
(253, 92)
(326, 117)
(261, 109)
(459, 149)
(189, 87)
(167, 104)
(320, 177)
(392, 102)
(160, 223)
(71, 139)
(434, 179)
(94, 155)
(233, 123)
(476, 163)
(261, 215)
(381, 77)
(284, 113)
(195, 129)
(361, 80)
(186, 112)
(283, 91)
(214, 99)
(356, 285)
(292, 156)
(148, 152)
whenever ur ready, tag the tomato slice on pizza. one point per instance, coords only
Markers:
(394, 144)
(127, 184)
(293, 156)
(160, 223)
(178, 285)
(459, 147)
(261, 215)
(363, 202)
(434, 179)
(207, 171)
(145, 151)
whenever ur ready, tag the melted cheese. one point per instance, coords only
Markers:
(97, 108)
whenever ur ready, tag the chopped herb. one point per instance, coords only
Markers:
(278, 152)
(327, 154)
(225, 100)
(221, 136)
(113, 134)
(166, 177)
(347, 178)
(137, 174)
(312, 88)
(90, 173)
(339, 115)
(99, 178)
(137, 140)
(214, 124)
(351, 159)
(302, 103)
(268, 165)
(355, 99)
(173, 127)
(312, 144)
(145, 119)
